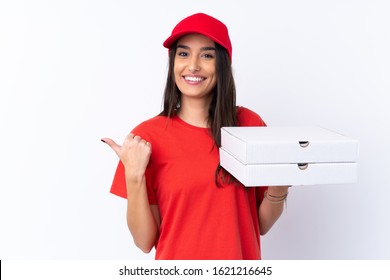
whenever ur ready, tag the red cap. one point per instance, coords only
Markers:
(202, 24)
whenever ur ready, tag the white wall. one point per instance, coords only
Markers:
(74, 71)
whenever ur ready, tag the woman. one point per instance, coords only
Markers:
(178, 197)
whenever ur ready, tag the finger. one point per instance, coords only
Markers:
(137, 138)
(130, 136)
(112, 144)
(143, 141)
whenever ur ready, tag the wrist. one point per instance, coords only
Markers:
(134, 179)
(276, 195)
(278, 190)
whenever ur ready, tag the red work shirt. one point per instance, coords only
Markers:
(199, 220)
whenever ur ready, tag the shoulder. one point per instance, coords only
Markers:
(150, 126)
(247, 117)
(153, 122)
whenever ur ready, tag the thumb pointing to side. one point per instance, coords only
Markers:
(134, 153)
(113, 145)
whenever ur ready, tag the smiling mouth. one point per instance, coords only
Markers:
(194, 79)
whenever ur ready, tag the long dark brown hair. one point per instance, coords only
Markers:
(222, 111)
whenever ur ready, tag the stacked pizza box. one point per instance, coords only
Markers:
(293, 155)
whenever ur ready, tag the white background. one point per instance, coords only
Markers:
(72, 72)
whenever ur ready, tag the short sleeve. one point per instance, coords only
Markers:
(118, 186)
(246, 117)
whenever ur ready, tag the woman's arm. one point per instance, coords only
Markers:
(271, 208)
(142, 219)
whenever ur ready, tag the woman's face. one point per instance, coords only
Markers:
(195, 66)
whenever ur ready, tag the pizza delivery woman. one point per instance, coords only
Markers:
(179, 199)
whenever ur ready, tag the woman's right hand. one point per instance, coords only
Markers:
(134, 154)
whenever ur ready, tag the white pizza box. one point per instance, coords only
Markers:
(288, 144)
(282, 174)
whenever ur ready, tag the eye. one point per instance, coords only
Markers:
(208, 55)
(184, 54)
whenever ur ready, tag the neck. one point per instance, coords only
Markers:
(194, 112)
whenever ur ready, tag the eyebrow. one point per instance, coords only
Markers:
(202, 49)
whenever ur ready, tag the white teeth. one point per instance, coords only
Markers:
(194, 79)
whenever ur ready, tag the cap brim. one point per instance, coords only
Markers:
(173, 38)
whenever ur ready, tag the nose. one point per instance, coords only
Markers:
(194, 64)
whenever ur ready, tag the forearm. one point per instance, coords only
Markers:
(140, 220)
(272, 207)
